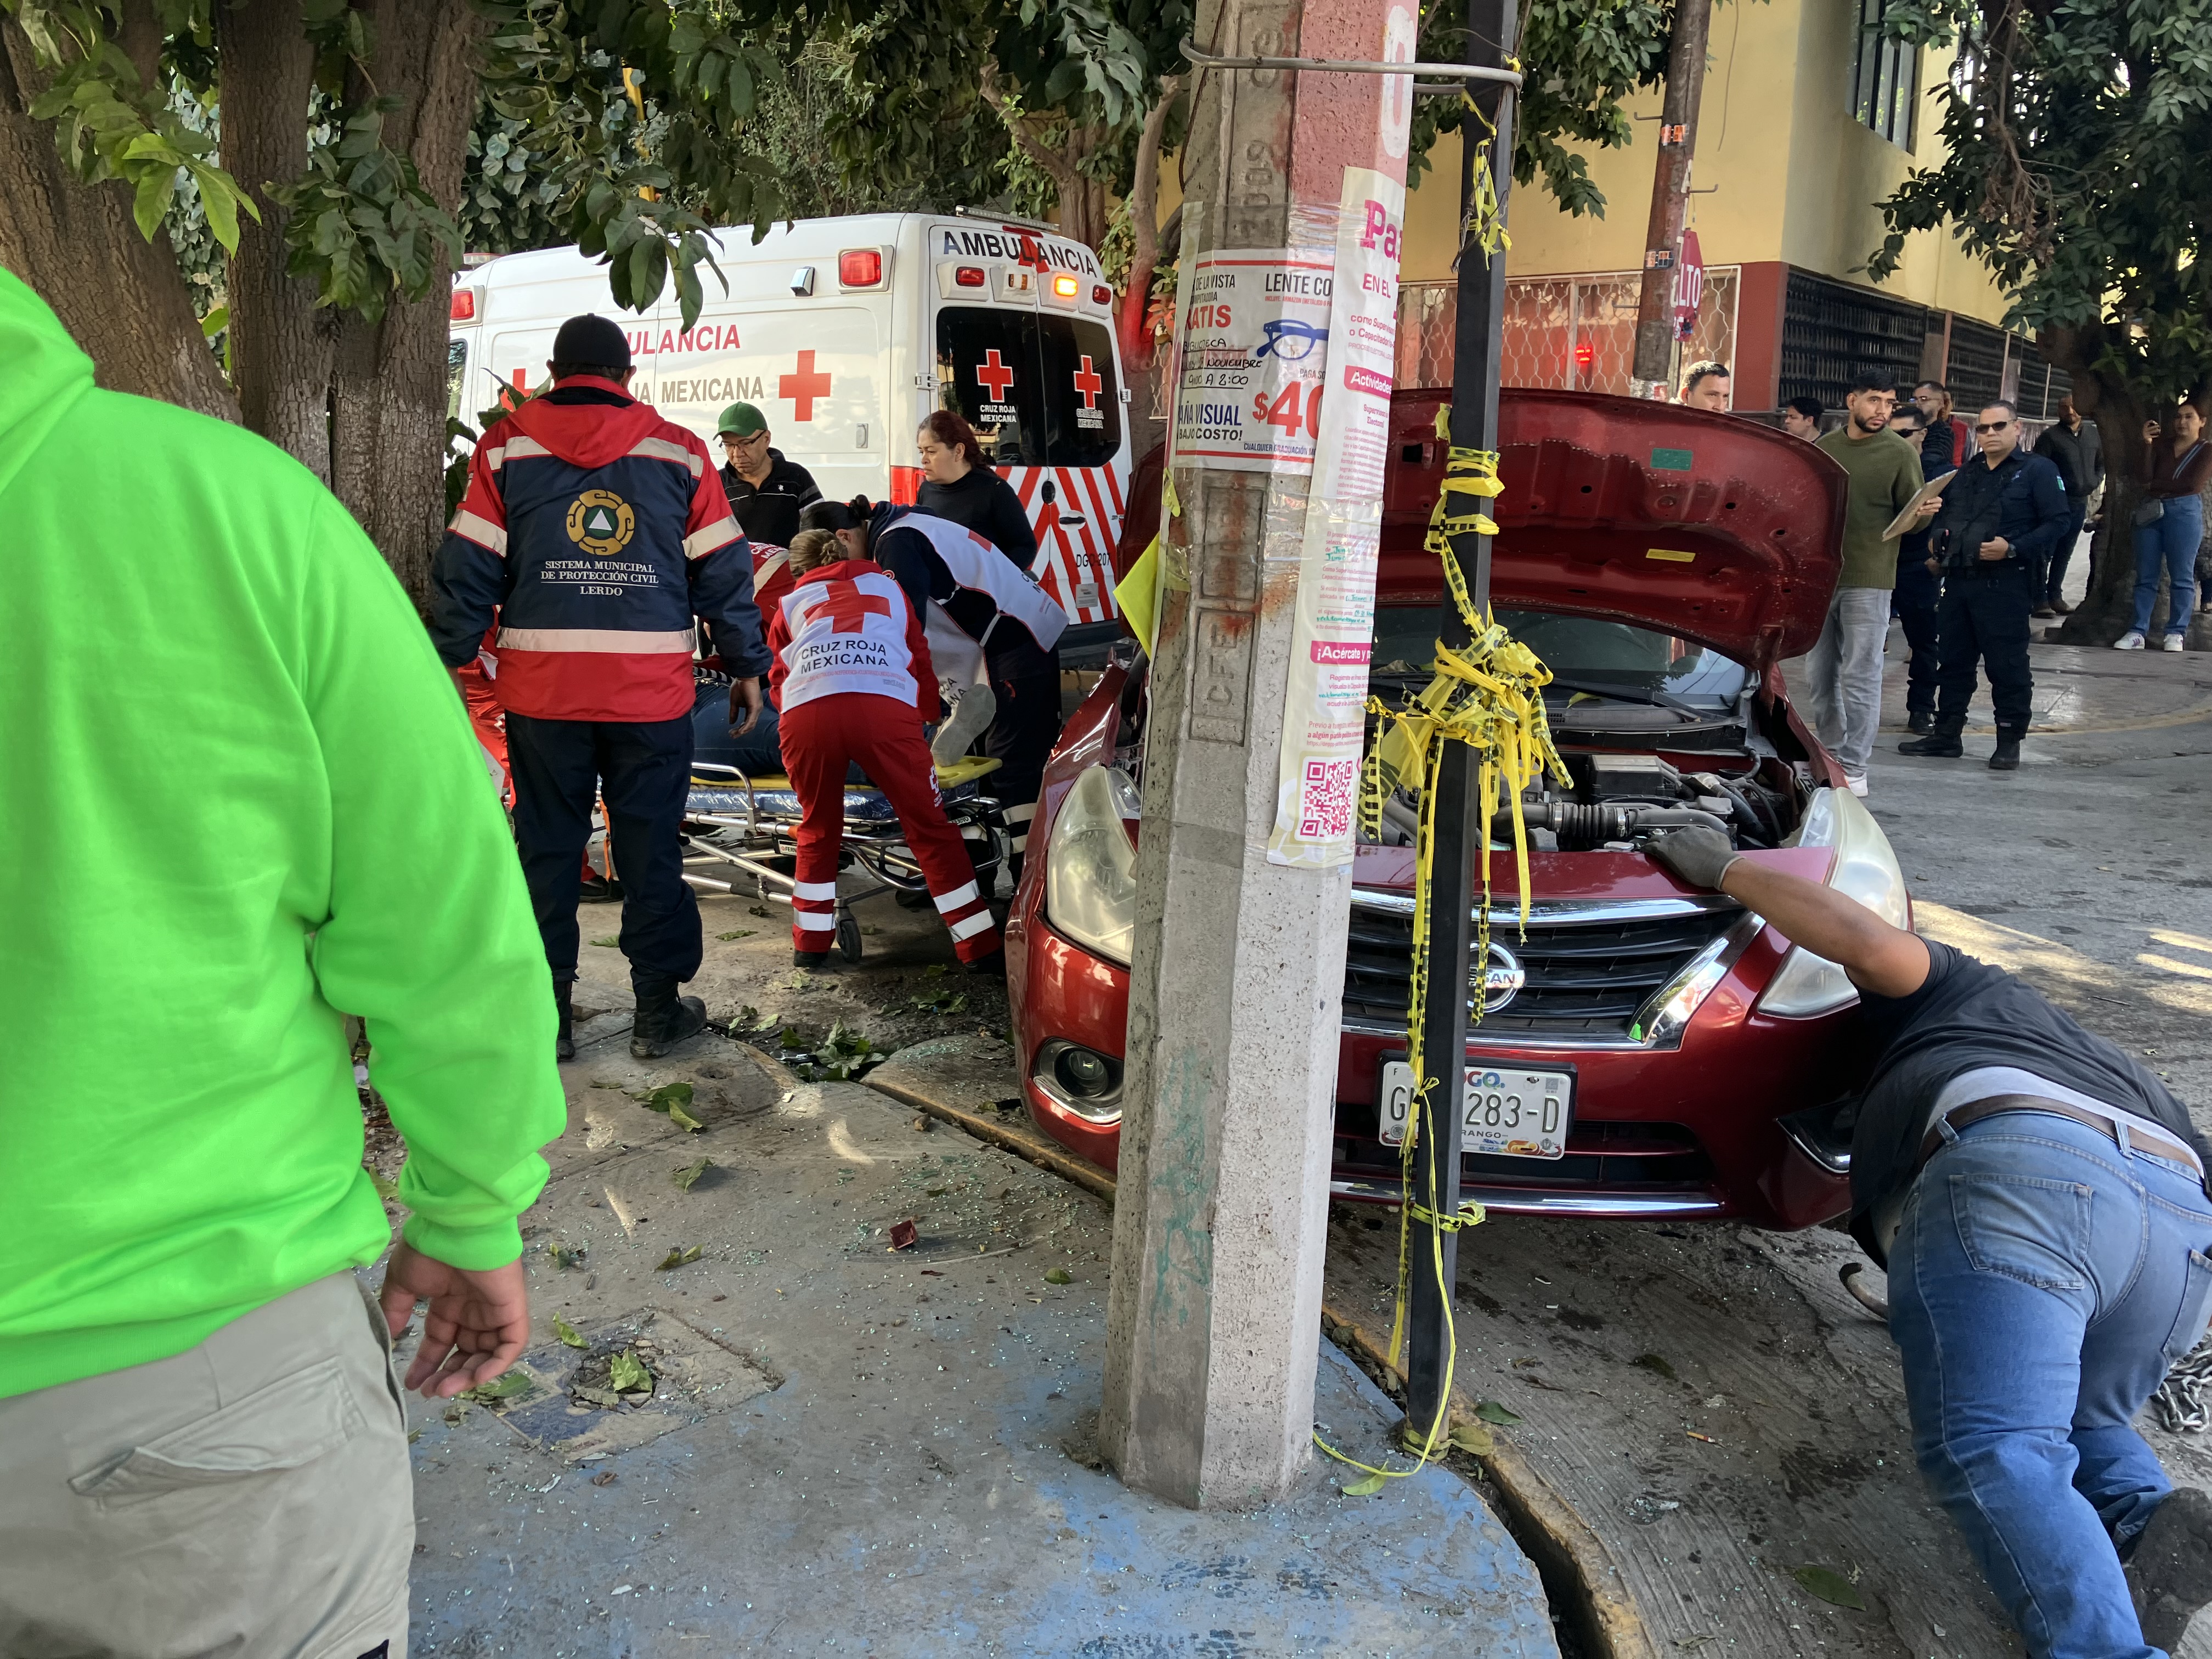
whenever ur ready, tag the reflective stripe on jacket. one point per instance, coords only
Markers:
(597, 531)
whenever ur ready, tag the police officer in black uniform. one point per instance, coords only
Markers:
(2001, 518)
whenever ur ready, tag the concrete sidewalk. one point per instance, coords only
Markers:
(853, 1450)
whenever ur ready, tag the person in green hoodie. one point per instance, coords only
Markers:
(265, 813)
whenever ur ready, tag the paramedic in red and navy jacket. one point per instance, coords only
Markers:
(596, 530)
(853, 678)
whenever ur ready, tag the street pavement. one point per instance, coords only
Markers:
(850, 1450)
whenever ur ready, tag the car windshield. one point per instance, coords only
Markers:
(1584, 653)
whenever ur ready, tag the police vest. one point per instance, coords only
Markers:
(848, 633)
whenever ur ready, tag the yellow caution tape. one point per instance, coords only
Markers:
(1488, 695)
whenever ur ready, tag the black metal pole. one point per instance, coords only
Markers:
(1459, 826)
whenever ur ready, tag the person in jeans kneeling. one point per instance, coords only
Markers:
(2039, 1199)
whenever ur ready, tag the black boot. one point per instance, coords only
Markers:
(564, 1045)
(664, 1018)
(2005, 757)
(1941, 741)
(2170, 1571)
(1920, 721)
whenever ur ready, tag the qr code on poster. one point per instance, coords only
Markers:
(1325, 801)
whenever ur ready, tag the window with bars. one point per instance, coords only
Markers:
(1885, 77)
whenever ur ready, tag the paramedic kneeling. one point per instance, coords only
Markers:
(2040, 1199)
(988, 623)
(853, 678)
(596, 531)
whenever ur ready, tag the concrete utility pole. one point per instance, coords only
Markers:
(1460, 829)
(1670, 195)
(1214, 1318)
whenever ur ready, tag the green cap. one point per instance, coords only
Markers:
(740, 420)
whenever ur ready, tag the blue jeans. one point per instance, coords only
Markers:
(2169, 546)
(2042, 1282)
(757, 754)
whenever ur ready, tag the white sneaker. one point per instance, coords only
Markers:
(2130, 641)
(2173, 642)
(1856, 785)
(974, 708)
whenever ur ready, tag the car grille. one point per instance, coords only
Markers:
(1589, 969)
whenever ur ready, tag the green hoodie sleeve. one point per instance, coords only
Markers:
(429, 924)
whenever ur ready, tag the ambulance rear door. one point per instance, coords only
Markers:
(1025, 353)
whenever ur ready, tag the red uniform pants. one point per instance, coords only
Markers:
(884, 735)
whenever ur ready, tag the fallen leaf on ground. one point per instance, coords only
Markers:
(607, 1399)
(608, 943)
(687, 1175)
(1490, 1411)
(742, 933)
(683, 1120)
(1656, 1365)
(627, 1374)
(669, 1095)
(567, 1332)
(1059, 1276)
(758, 910)
(1830, 1587)
(603, 1478)
(568, 1255)
(747, 1016)
(1474, 1439)
(386, 1188)
(504, 1387)
(1366, 1488)
(677, 1257)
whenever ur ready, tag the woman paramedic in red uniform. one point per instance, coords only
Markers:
(853, 682)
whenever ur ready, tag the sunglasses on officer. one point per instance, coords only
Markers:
(1992, 426)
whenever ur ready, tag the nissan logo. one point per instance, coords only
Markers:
(1502, 979)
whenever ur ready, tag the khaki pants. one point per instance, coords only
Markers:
(250, 1498)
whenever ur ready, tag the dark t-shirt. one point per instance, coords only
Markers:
(768, 511)
(986, 503)
(1967, 1015)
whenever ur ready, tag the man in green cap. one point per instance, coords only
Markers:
(766, 491)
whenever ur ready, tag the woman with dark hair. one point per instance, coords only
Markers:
(988, 621)
(959, 484)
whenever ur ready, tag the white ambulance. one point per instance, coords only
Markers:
(845, 333)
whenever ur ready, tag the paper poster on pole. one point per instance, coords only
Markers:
(1323, 721)
(1248, 395)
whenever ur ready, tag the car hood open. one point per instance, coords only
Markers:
(1709, 526)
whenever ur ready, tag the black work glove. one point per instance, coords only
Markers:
(1698, 856)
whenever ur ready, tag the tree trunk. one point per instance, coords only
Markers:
(2108, 610)
(122, 298)
(1138, 347)
(280, 345)
(389, 403)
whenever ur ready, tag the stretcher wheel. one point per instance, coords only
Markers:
(848, 939)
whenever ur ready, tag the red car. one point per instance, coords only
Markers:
(1647, 1051)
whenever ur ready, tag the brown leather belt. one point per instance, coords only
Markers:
(2124, 1135)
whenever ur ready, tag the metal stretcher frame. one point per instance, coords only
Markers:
(765, 812)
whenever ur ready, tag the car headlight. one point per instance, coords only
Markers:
(1866, 870)
(1091, 868)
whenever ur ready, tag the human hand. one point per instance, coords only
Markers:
(1930, 507)
(1698, 855)
(745, 695)
(477, 1326)
(2150, 432)
(1995, 549)
(1935, 569)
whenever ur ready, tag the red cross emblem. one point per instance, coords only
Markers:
(1088, 382)
(995, 375)
(848, 607)
(804, 387)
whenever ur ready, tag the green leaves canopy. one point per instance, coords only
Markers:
(2078, 139)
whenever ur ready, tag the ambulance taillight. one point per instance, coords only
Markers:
(859, 267)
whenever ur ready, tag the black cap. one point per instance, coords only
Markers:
(595, 340)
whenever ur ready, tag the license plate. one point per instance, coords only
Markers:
(1508, 1113)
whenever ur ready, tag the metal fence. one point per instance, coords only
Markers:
(1566, 332)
